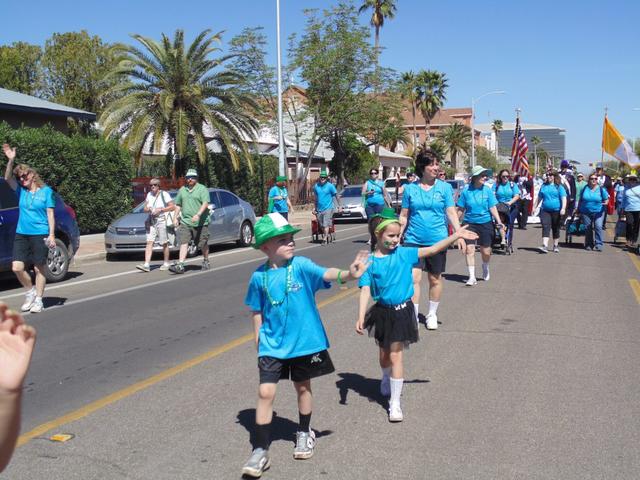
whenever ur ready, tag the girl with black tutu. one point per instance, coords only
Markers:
(391, 320)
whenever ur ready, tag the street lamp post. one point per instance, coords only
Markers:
(473, 113)
(281, 153)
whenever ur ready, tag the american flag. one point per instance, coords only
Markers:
(519, 163)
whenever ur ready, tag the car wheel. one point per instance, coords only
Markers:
(57, 263)
(246, 235)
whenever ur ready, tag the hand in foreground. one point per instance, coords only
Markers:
(462, 246)
(8, 151)
(359, 264)
(465, 233)
(17, 340)
(360, 326)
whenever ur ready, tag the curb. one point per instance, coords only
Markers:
(89, 257)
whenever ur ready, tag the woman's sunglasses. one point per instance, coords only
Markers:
(24, 176)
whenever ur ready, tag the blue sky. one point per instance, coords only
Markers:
(560, 61)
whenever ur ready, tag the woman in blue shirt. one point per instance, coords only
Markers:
(477, 203)
(375, 196)
(592, 206)
(631, 208)
(35, 232)
(507, 193)
(279, 198)
(553, 197)
(427, 210)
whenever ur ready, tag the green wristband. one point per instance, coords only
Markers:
(340, 281)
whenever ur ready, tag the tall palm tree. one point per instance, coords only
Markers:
(457, 139)
(496, 126)
(167, 92)
(431, 91)
(381, 10)
(408, 92)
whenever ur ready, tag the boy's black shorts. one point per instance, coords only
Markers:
(298, 369)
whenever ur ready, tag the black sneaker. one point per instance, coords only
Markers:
(177, 268)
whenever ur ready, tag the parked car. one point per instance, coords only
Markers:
(66, 231)
(390, 187)
(231, 220)
(351, 201)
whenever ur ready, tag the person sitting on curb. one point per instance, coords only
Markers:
(192, 208)
(157, 204)
(17, 340)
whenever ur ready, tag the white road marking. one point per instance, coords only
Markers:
(129, 272)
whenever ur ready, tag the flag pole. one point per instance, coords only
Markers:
(602, 143)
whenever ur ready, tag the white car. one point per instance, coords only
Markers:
(390, 187)
(351, 201)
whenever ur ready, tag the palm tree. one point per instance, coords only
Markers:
(431, 88)
(496, 126)
(457, 139)
(408, 92)
(167, 93)
(381, 10)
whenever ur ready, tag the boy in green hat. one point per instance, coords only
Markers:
(279, 198)
(289, 334)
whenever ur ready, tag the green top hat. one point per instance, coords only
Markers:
(281, 178)
(270, 226)
(477, 170)
(387, 213)
(323, 174)
(192, 172)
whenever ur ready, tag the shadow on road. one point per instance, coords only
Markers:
(52, 301)
(455, 277)
(368, 388)
(281, 428)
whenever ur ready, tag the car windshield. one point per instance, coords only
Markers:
(352, 192)
(140, 207)
(391, 182)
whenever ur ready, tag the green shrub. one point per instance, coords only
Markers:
(92, 174)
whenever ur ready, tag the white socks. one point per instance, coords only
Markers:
(472, 271)
(433, 307)
(415, 307)
(545, 241)
(396, 390)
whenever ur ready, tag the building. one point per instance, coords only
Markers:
(18, 109)
(552, 139)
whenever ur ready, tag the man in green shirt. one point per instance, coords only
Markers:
(580, 184)
(192, 210)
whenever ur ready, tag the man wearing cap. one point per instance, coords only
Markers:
(605, 181)
(279, 198)
(569, 182)
(325, 193)
(192, 210)
(580, 184)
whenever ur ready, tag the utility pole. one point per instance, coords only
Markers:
(281, 155)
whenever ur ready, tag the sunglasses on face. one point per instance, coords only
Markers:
(155, 185)
(593, 178)
(505, 176)
(373, 173)
(24, 176)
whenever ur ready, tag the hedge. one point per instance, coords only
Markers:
(92, 174)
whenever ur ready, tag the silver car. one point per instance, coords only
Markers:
(351, 201)
(231, 220)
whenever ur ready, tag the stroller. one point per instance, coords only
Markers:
(621, 228)
(316, 233)
(573, 226)
(507, 215)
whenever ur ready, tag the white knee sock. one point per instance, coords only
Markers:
(433, 307)
(396, 390)
(417, 309)
(472, 271)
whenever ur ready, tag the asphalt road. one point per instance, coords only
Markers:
(533, 374)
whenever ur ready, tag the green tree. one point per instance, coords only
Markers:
(408, 91)
(496, 126)
(75, 65)
(431, 92)
(20, 68)
(168, 92)
(486, 158)
(457, 139)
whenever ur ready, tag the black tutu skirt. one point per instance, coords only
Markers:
(390, 324)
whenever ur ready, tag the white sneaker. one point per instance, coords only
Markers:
(145, 267)
(556, 250)
(395, 413)
(385, 387)
(37, 306)
(29, 298)
(164, 267)
(485, 274)
(471, 282)
(432, 321)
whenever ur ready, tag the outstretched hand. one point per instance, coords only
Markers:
(8, 151)
(466, 234)
(17, 340)
(359, 264)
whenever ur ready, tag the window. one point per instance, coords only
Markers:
(214, 201)
(8, 197)
(228, 199)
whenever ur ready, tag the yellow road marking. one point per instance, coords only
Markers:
(635, 260)
(635, 286)
(171, 372)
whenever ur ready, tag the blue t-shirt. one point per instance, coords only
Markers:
(293, 328)
(591, 200)
(552, 195)
(279, 206)
(377, 197)
(476, 203)
(33, 210)
(505, 192)
(427, 212)
(390, 277)
(631, 200)
(324, 196)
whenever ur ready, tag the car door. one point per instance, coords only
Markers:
(8, 221)
(232, 214)
(216, 218)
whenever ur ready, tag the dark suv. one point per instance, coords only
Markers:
(67, 234)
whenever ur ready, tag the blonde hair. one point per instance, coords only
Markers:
(24, 169)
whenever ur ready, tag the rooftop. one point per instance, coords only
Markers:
(14, 101)
(486, 127)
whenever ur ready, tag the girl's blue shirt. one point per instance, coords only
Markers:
(389, 277)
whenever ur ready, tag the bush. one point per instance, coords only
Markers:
(92, 174)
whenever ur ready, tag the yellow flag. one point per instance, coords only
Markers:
(615, 145)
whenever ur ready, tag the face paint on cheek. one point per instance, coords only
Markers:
(387, 243)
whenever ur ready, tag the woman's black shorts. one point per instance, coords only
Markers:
(30, 249)
(298, 369)
(485, 234)
(435, 264)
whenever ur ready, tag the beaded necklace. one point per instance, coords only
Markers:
(265, 282)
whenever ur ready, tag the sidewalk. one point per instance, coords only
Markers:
(92, 246)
